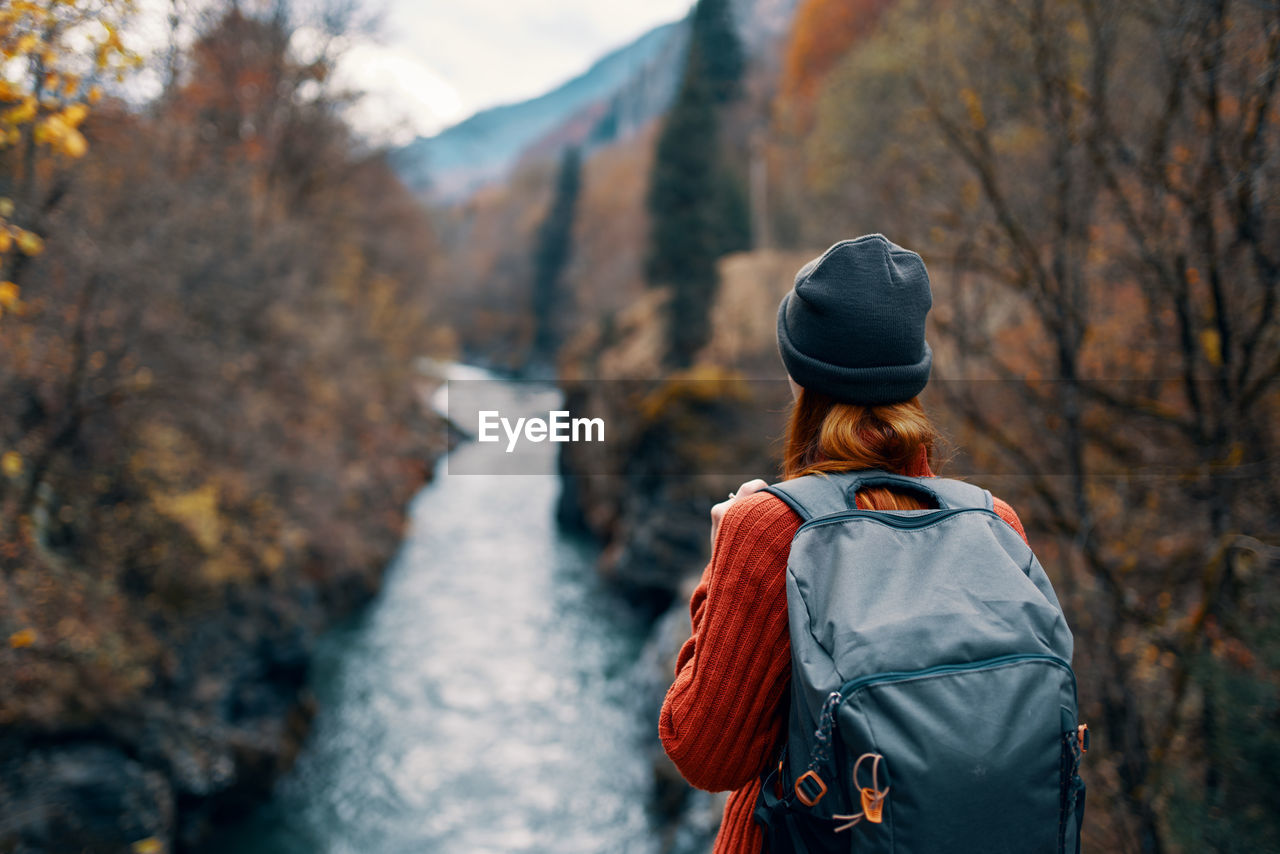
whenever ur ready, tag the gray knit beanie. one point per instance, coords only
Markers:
(853, 325)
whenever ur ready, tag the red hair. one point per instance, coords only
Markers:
(825, 435)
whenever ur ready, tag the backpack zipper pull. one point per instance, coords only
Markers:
(873, 804)
(872, 797)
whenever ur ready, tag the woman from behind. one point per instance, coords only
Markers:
(851, 336)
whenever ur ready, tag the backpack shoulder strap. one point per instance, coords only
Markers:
(813, 495)
(817, 495)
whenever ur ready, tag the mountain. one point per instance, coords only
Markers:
(482, 148)
(610, 101)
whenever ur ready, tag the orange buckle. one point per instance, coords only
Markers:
(1082, 737)
(804, 797)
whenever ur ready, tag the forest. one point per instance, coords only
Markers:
(210, 306)
(212, 299)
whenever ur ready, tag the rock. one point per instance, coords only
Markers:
(90, 798)
(221, 723)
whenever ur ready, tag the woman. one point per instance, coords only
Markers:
(851, 336)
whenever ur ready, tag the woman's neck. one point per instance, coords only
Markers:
(919, 467)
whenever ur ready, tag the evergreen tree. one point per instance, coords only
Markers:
(551, 254)
(715, 52)
(697, 208)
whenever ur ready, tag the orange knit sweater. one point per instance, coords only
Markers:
(725, 716)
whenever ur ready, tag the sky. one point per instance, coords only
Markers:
(432, 63)
(429, 64)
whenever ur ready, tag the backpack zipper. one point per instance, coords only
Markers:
(892, 519)
(901, 675)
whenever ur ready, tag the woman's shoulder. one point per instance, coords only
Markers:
(759, 512)
(1002, 508)
(1006, 512)
(751, 549)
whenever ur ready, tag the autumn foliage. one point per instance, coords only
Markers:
(821, 35)
(1089, 185)
(209, 429)
(56, 54)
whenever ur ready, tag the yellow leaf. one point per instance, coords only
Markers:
(21, 638)
(11, 463)
(198, 512)
(6, 208)
(23, 113)
(6, 240)
(73, 144)
(8, 294)
(1212, 344)
(272, 557)
(973, 104)
(30, 243)
(75, 114)
(50, 129)
(150, 845)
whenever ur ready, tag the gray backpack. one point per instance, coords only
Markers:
(933, 705)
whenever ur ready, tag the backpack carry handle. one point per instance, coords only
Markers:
(900, 483)
(817, 495)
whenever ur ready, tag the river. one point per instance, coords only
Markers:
(482, 702)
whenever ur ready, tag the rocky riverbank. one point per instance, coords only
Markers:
(678, 443)
(141, 712)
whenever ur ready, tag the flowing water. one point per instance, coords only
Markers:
(481, 703)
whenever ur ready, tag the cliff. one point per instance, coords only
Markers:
(680, 442)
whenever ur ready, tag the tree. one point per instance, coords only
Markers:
(551, 253)
(823, 32)
(60, 50)
(715, 51)
(209, 430)
(697, 204)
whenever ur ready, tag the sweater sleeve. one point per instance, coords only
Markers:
(724, 713)
(1005, 512)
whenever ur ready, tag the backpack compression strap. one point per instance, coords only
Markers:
(817, 495)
